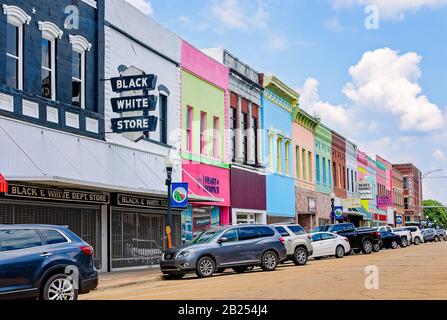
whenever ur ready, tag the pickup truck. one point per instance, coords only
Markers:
(404, 234)
(364, 239)
(298, 245)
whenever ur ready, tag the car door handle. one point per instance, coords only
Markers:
(46, 254)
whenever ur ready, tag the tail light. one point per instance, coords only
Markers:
(88, 250)
(346, 239)
(309, 237)
(282, 240)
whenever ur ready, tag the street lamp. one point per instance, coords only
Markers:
(169, 167)
(430, 172)
(333, 196)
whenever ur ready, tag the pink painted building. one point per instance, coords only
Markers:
(385, 197)
(204, 140)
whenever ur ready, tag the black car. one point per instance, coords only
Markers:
(389, 240)
(44, 262)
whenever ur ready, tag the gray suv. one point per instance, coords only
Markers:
(238, 247)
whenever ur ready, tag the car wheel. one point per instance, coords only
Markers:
(300, 256)
(59, 287)
(240, 269)
(205, 267)
(436, 239)
(417, 241)
(403, 242)
(441, 238)
(367, 247)
(394, 245)
(269, 261)
(174, 276)
(376, 247)
(220, 270)
(339, 252)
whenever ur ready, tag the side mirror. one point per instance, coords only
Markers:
(222, 240)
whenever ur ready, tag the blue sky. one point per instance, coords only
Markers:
(385, 88)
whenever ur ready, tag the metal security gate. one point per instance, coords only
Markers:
(84, 221)
(138, 237)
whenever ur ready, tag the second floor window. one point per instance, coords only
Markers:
(189, 129)
(203, 133)
(48, 84)
(77, 79)
(14, 56)
(163, 119)
(317, 168)
(216, 146)
(286, 151)
(233, 126)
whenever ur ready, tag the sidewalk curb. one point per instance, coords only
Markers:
(131, 283)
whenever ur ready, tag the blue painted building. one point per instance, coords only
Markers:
(280, 101)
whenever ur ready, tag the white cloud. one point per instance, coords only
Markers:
(239, 15)
(143, 5)
(391, 9)
(335, 116)
(387, 82)
(439, 155)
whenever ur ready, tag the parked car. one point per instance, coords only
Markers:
(390, 240)
(326, 244)
(416, 236)
(41, 261)
(429, 235)
(441, 233)
(238, 247)
(404, 234)
(363, 240)
(297, 242)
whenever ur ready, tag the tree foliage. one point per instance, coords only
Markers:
(438, 214)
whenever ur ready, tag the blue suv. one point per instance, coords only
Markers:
(44, 262)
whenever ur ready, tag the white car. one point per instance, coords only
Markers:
(327, 244)
(416, 235)
(403, 233)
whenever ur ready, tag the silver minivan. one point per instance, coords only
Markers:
(239, 247)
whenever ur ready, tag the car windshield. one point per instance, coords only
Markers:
(206, 236)
(321, 229)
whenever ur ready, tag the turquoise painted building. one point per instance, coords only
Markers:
(280, 101)
(323, 160)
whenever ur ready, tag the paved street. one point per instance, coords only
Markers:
(411, 273)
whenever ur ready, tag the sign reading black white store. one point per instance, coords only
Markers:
(41, 193)
(134, 103)
(132, 83)
(134, 124)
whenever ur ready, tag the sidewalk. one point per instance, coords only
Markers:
(113, 280)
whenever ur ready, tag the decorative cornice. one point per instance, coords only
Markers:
(79, 43)
(323, 132)
(282, 90)
(16, 14)
(50, 30)
(305, 120)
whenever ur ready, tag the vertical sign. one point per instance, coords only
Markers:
(179, 195)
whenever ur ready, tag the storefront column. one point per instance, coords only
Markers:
(250, 148)
(225, 216)
(104, 238)
(260, 138)
(239, 134)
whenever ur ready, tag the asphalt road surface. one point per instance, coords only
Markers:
(416, 272)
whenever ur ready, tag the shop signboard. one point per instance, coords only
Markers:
(134, 103)
(351, 203)
(365, 190)
(133, 83)
(55, 194)
(179, 197)
(134, 124)
(384, 201)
